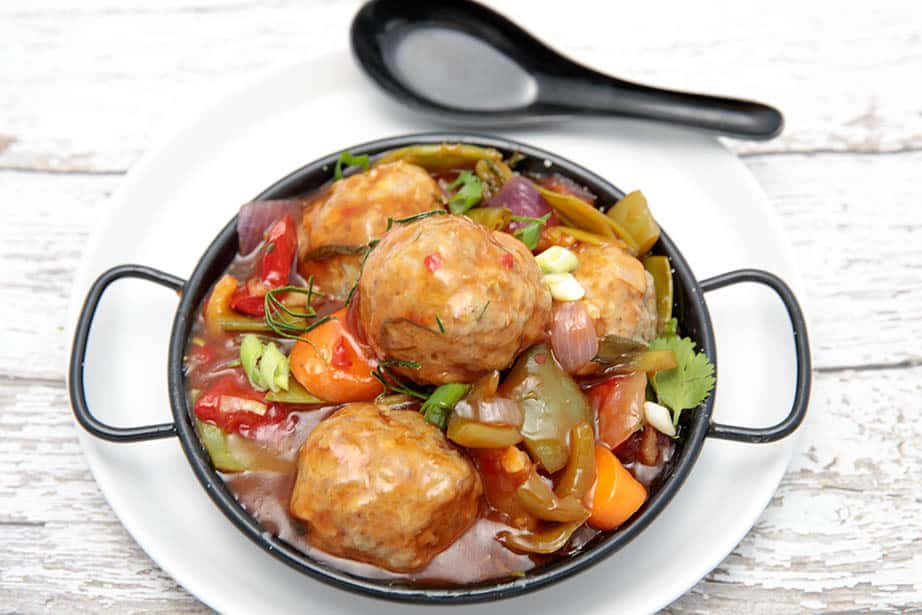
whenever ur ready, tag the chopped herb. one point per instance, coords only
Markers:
(287, 322)
(438, 321)
(355, 285)
(439, 405)
(325, 252)
(392, 221)
(401, 363)
(348, 160)
(689, 383)
(270, 247)
(483, 310)
(392, 384)
(468, 195)
(531, 232)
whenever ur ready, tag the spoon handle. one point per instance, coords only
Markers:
(606, 95)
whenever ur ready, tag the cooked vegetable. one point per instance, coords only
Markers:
(475, 434)
(330, 363)
(215, 441)
(494, 218)
(565, 185)
(613, 348)
(273, 271)
(661, 270)
(689, 383)
(273, 366)
(228, 404)
(493, 174)
(551, 402)
(233, 406)
(564, 287)
(250, 351)
(243, 324)
(295, 394)
(617, 495)
(577, 213)
(619, 405)
(348, 160)
(520, 196)
(557, 259)
(633, 215)
(439, 404)
(659, 418)
(531, 232)
(578, 477)
(483, 404)
(257, 216)
(573, 336)
(218, 307)
(441, 157)
(468, 195)
(545, 541)
(539, 500)
(560, 234)
(643, 361)
(265, 365)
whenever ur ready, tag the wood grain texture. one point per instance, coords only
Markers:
(85, 88)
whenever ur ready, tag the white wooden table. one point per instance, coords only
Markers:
(84, 88)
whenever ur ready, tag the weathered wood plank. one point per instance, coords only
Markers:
(86, 89)
(841, 77)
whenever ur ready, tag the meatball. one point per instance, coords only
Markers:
(384, 487)
(620, 296)
(453, 296)
(354, 211)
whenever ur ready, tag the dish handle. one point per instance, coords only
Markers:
(801, 351)
(78, 357)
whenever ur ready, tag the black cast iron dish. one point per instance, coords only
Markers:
(690, 309)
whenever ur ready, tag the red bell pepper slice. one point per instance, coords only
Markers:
(274, 268)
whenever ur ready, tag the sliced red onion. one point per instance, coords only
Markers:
(521, 197)
(256, 217)
(573, 336)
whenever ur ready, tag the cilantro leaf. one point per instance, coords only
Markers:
(469, 195)
(348, 160)
(689, 383)
(531, 232)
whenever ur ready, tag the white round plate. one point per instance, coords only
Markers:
(173, 203)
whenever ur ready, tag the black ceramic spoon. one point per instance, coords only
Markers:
(461, 61)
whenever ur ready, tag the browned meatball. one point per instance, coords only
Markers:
(354, 211)
(453, 296)
(620, 296)
(384, 487)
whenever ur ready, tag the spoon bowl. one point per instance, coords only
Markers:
(459, 60)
